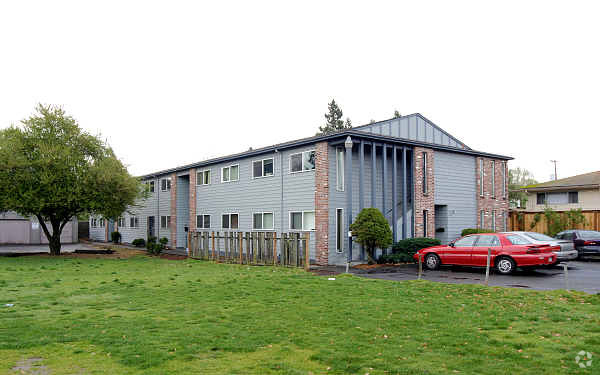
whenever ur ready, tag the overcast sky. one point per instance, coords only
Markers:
(174, 82)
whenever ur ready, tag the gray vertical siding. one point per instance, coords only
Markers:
(455, 187)
(183, 209)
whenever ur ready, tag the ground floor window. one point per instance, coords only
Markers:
(230, 221)
(493, 220)
(203, 221)
(165, 222)
(425, 213)
(339, 230)
(262, 220)
(481, 219)
(302, 220)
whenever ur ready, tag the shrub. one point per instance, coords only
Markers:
(115, 237)
(150, 243)
(468, 231)
(139, 242)
(157, 248)
(403, 250)
(163, 241)
(372, 231)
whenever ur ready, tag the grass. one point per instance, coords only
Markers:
(147, 315)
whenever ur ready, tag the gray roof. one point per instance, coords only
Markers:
(356, 132)
(582, 181)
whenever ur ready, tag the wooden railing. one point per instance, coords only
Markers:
(256, 248)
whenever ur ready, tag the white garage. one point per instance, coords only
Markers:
(15, 231)
(18, 230)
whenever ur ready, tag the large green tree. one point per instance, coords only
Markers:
(518, 178)
(333, 120)
(51, 169)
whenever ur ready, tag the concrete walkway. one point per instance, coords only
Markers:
(36, 249)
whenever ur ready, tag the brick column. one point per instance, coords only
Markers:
(491, 200)
(173, 225)
(322, 203)
(424, 201)
(192, 203)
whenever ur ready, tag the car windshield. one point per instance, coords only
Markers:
(539, 236)
(589, 235)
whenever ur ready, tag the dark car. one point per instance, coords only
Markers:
(587, 242)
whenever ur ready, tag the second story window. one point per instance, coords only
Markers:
(94, 223)
(134, 222)
(340, 155)
(121, 222)
(425, 190)
(151, 186)
(302, 162)
(165, 184)
(230, 174)
(203, 177)
(481, 177)
(262, 168)
(493, 165)
(504, 180)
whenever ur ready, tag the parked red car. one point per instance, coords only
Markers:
(509, 251)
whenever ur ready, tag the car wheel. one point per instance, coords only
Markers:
(432, 261)
(505, 265)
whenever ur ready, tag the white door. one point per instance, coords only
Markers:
(14, 231)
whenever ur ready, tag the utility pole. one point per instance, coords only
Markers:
(555, 175)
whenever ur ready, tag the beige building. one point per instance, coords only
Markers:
(581, 191)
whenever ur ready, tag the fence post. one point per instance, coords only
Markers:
(283, 248)
(241, 247)
(566, 270)
(213, 244)
(306, 251)
(274, 248)
(420, 265)
(487, 266)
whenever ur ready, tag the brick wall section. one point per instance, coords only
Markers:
(192, 203)
(173, 225)
(424, 201)
(322, 203)
(493, 198)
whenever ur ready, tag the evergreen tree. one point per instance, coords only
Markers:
(334, 122)
(396, 114)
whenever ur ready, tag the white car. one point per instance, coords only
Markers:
(567, 248)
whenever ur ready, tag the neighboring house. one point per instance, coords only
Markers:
(426, 182)
(581, 191)
(19, 230)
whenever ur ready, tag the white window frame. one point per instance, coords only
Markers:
(101, 222)
(167, 184)
(167, 222)
(493, 220)
(425, 222)
(136, 222)
(121, 222)
(505, 220)
(301, 229)
(481, 178)
(151, 186)
(229, 214)
(425, 177)
(482, 219)
(94, 222)
(493, 167)
(209, 219)
(263, 167)
(504, 179)
(302, 156)
(340, 172)
(263, 220)
(229, 167)
(202, 172)
(339, 228)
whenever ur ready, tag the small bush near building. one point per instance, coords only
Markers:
(150, 243)
(163, 241)
(467, 231)
(139, 242)
(371, 230)
(403, 250)
(115, 237)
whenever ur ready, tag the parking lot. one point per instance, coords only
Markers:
(583, 276)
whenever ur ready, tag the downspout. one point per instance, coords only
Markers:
(157, 221)
(281, 172)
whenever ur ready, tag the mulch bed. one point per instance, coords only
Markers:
(173, 257)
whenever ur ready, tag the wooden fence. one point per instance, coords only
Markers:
(256, 248)
(522, 221)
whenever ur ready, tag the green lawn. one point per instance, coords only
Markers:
(147, 315)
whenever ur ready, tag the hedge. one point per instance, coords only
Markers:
(403, 250)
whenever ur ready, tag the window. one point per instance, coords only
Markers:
(231, 173)
(165, 184)
(481, 219)
(101, 222)
(538, 236)
(203, 177)
(165, 222)
(230, 221)
(541, 198)
(481, 190)
(339, 230)
(262, 220)
(202, 221)
(487, 241)
(493, 220)
(557, 198)
(493, 164)
(573, 197)
(425, 174)
(340, 155)
(151, 186)
(517, 240)
(505, 221)
(94, 223)
(121, 222)
(302, 220)
(134, 222)
(302, 162)
(425, 218)
(504, 180)
(262, 168)
(589, 235)
(465, 241)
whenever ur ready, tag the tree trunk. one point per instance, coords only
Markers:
(54, 239)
